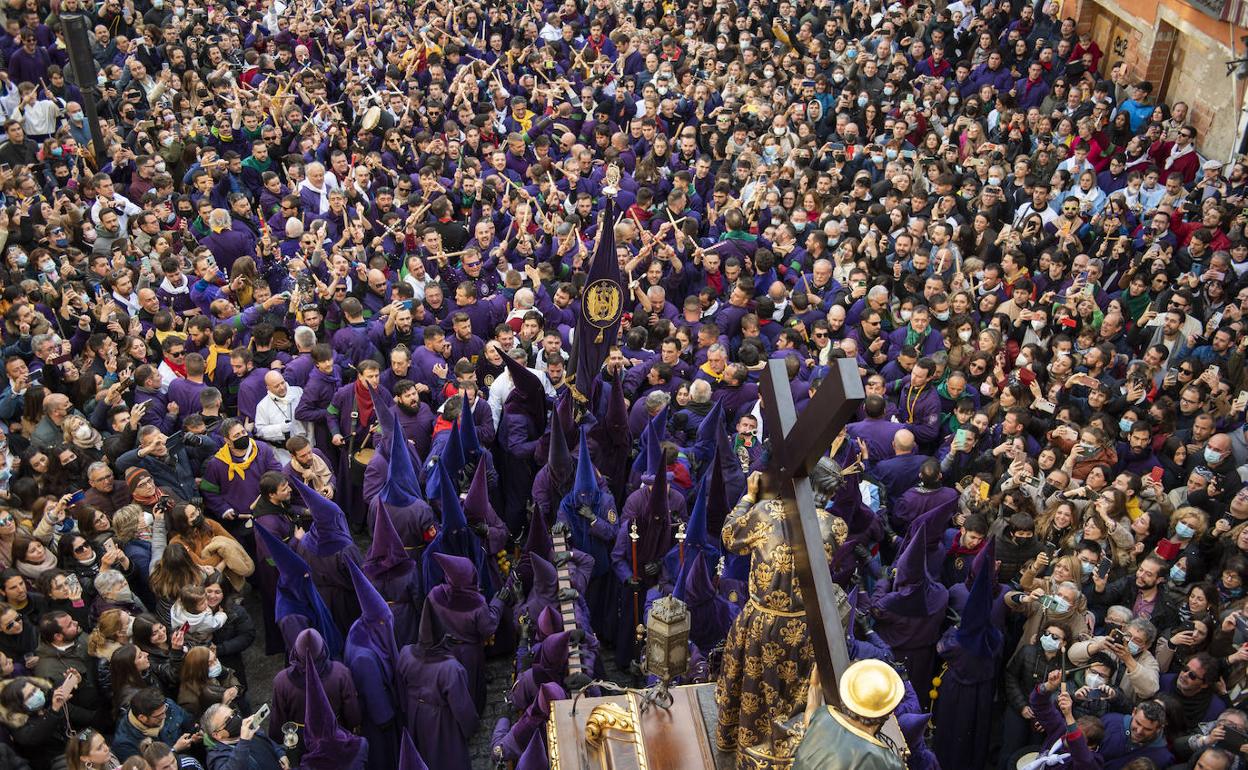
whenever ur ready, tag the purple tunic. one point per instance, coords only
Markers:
(251, 391)
(438, 706)
(288, 701)
(222, 493)
(469, 619)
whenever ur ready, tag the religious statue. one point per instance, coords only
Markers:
(848, 735)
(768, 655)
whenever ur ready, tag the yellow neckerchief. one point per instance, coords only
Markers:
(1133, 507)
(240, 467)
(707, 368)
(162, 336)
(215, 352)
(912, 402)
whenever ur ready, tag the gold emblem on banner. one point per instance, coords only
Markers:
(602, 305)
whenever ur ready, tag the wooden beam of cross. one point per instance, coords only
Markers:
(795, 449)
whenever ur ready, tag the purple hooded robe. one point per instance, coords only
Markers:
(437, 701)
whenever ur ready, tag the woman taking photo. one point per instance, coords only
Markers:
(205, 682)
(31, 709)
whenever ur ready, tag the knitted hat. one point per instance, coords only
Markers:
(134, 477)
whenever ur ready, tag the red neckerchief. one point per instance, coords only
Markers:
(961, 550)
(178, 369)
(363, 403)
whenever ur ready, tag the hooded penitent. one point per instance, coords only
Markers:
(534, 757)
(697, 538)
(402, 487)
(372, 656)
(455, 538)
(710, 615)
(386, 552)
(469, 443)
(558, 457)
(451, 461)
(655, 524)
(527, 397)
(297, 594)
(374, 630)
(913, 589)
(327, 745)
(329, 533)
(585, 494)
(708, 435)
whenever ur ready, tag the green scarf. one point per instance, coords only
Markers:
(914, 339)
(1135, 306)
(738, 235)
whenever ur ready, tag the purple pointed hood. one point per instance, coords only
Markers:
(976, 633)
(534, 756)
(708, 434)
(477, 502)
(545, 577)
(547, 696)
(718, 504)
(374, 629)
(697, 538)
(457, 571)
(296, 593)
(913, 589)
(402, 487)
(985, 559)
(585, 492)
(327, 745)
(654, 524)
(387, 551)
(451, 460)
(710, 615)
(468, 439)
(527, 397)
(549, 622)
(651, 436)
(328, 534)
(559, 458)
(308, 650)
(552, 652)
(537, 543)
(453, 537)
(432, 636)
(385, 417)
(409, 757)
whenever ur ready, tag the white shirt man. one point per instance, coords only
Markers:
(275, 414)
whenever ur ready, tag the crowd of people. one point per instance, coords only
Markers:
(298, 325)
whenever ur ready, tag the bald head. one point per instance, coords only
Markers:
(903, 442)
(276, 383)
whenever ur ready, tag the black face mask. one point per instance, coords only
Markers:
(234, 726)
(241, 443)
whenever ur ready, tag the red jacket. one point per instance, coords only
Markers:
(1187, 166)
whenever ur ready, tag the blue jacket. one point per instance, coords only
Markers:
(258, 753)
(128, 738)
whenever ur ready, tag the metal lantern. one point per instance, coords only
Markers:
(667, 639)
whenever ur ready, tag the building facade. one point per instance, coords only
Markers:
(1182, 48)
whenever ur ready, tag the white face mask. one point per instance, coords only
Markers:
(1094, 681)
(82, 432)
(905, 315)
(964, 335)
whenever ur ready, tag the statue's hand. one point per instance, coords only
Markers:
(754, 485)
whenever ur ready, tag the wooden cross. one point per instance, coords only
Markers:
(795, 449)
